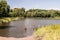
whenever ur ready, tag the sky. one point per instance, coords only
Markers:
(35, 4)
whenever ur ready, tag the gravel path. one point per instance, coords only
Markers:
(11, 38)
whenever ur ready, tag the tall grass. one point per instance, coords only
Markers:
(49, 32)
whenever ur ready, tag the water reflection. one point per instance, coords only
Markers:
(28, 26)
(25, 27)
(4, 32)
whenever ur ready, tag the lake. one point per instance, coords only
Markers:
(24, 27)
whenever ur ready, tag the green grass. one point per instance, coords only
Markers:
(8, 19)
(49, 32)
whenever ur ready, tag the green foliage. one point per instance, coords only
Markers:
(5, 11)
(17, 12)
(4, 8)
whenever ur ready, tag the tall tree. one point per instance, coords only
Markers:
(4, 8)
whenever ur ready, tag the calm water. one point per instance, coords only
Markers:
(24, 27)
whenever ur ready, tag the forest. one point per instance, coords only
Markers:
(6, 11)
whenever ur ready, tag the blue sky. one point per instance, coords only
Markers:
(30, 4)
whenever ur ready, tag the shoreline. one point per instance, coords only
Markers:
(56, 18)
(12, 38)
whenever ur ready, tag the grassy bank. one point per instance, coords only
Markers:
(50, 32)
(7, 19)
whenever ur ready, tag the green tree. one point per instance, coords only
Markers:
(4, 8)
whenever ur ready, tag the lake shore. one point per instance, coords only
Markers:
(11, 38)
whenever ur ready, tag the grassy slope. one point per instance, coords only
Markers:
(50, 32)
(7, 19)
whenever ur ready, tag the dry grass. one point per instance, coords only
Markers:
(50, 32)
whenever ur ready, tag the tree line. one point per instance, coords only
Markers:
(6, 11)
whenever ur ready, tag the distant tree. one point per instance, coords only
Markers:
(17, 12)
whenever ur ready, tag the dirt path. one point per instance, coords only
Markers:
(11, 38)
